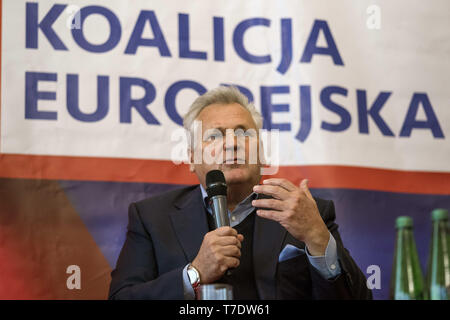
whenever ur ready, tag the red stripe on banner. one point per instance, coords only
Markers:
(1, 62)
(94, 169)
(348, 177)
(164, 171)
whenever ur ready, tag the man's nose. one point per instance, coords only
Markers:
(230, 142)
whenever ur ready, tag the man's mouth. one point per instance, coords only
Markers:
(235, 161)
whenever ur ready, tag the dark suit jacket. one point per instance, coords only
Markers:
(165, 233)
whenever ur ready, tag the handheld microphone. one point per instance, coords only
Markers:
(216, 188)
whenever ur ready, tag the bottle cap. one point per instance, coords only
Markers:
(404, 222)
(439, 214)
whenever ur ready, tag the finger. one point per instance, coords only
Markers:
(231, 262)
(231, 251)
(269, 214)
(289, 186)
(269, 204)
(305, 189)
(240, 237)
(226, 231)
(229, 240)
(274, 191)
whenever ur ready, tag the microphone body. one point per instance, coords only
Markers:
(220, 210)
(216, 188)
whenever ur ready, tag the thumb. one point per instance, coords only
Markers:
(305, 189)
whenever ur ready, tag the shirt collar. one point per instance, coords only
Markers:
(246, 202)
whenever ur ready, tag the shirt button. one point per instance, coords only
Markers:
(333, 266)
(233, 218)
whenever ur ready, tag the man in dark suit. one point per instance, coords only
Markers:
(282, 244)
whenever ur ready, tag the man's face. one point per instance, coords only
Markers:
(229, 142)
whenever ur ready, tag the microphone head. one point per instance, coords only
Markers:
(215, 184)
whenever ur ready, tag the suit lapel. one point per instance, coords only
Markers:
(190, 222)
(267, 241)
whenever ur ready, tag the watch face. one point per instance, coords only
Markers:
(193, 278)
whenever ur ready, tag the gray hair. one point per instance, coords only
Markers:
(220, 95)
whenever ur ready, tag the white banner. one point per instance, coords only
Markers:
(346, 83)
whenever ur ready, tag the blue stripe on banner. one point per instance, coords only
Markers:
(103, 207)
(366, 219)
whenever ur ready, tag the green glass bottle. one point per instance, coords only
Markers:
(407, 281)
(438, 273)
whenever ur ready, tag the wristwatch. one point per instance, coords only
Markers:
(194, 277)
